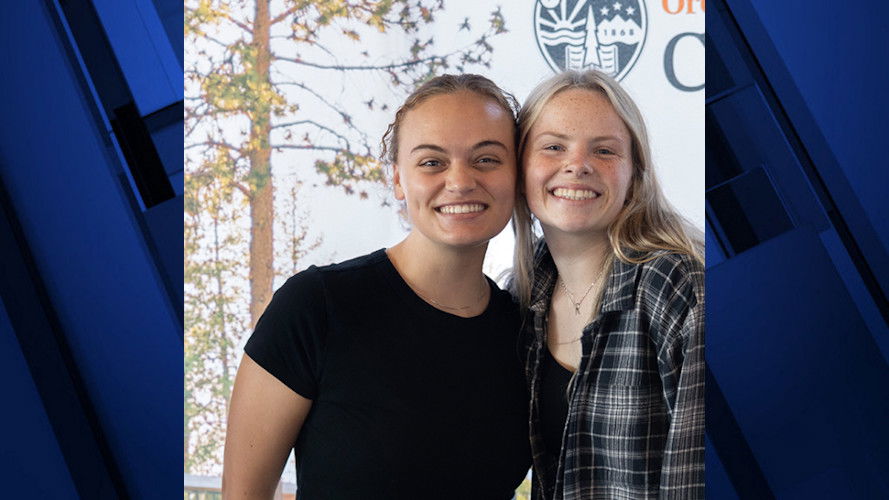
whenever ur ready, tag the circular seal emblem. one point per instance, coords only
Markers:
(591, 34)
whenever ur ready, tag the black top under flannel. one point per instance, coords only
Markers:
(635, 426)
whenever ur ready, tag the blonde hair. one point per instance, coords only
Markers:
(647, 223)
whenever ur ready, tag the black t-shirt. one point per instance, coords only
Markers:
(408, 401)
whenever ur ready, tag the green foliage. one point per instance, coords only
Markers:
(213, 319)
(203, 14)
(347, 166)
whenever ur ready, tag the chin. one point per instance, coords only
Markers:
(465, 242)
(580, 228)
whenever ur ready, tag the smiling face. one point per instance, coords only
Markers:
(456, 168)
(577, 164)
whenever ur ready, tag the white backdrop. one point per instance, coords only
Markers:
(348, 226)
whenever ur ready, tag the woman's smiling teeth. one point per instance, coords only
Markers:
(575, 194)
(461, 209)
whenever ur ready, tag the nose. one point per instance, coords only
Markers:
(578, 164)
(460, 179)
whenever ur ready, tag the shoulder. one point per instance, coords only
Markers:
(669, 277)
(337, 275)
(298, 300)
(669, 270)
(670, 292)
(360, 263)
(305, 283)
(310, 287)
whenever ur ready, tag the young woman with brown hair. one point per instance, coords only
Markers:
(395, 375)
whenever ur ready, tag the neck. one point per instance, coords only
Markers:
(448, 275)
(579, 258)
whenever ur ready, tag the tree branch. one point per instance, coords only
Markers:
(309, 148)
(237, 23)
(216, 41)
(242, 188)
(345, 140)
(277, 19)
(211, 144)
(405, 64)
(327, 103)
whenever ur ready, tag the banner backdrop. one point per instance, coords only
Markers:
(285, 107)
(655, 48)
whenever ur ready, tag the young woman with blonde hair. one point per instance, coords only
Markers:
(614, 299)
(395, 375)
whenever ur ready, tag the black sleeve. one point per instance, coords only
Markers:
(288, 341)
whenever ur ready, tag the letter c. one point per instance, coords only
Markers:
(668, 62)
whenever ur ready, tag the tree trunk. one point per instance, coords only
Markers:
(261, 203)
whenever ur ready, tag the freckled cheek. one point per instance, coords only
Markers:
(624, 185)
(532, 184)
(534, 174)
(617, 175)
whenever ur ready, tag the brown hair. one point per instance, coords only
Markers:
(441, 85)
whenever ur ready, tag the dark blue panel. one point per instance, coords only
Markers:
(798, 326)
(32, 465)
(755, 140)
(748, 209)
(117, 94)
(93, 254)
(825, 63)
(799, 369)
(836, 54)
(167, 135)
(170, 12)
(165, 228)
(141, 48)
(52, 368)
(715, 253)
(718, 484)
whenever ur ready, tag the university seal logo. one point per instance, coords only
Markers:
(591, 34)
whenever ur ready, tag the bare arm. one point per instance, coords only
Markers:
(264, 420)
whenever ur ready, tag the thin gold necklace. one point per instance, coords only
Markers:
(577, 303)
(439, 304)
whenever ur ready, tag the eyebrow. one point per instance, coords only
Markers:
(593, 139)
(489, 143)
(440, 149)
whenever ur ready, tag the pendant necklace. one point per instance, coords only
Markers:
(576, 303)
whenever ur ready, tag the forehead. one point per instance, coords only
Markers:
(461, 99)
(580, 111)
(457, 116)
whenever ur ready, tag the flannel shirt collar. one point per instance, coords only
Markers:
(619, 295)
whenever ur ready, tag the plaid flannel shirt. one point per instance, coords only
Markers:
(635, 425)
